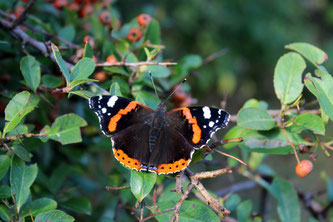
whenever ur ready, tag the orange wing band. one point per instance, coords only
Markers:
(114, 120)
(126, 160)
(172, 167)
(195, 127)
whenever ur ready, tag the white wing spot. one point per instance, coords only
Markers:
(211, 124)
(109, 114)
(103, 110)
(204, 126)
(99, 106)
(112, 101)
(220, 111)
(206, 112)
(217, 121)
(99, 97)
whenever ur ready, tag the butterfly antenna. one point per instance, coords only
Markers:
(173, 92)
(152, 80)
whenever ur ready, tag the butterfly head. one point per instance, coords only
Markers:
(161, 107)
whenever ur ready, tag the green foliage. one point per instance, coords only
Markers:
(142, 184)
(30, 69)
(65, 129)
(42, 180)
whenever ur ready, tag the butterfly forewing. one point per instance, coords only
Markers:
(197, 124)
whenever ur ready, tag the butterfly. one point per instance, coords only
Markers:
(157, 141)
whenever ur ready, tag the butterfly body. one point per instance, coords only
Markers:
(155, 140)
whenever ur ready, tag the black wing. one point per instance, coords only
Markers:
(117, 113)
(198, 124)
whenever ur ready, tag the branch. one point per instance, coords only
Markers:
(179, 204)
(123, 63)
(23, 16)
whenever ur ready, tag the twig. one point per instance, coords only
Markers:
(175, 215)
(211, 201)
(23, 16)
(123, 63)
(276, 112)
(215, 55)
(230, 156)
(236, 187)
(159, 213)
(116, 188)
(179, 184)
(210, 174)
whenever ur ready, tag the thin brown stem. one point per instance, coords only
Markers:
(123, 63)
(291, 144)
(116, 188)
(24, 14)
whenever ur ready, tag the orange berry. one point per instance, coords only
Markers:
(105, 18)
(111, 59)
(89, 39)
(100, 76)
(134, 34)
(59, 4)
(143, 19)
(18, 11)
(303, 168)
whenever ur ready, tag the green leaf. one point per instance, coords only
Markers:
(38, 206)
(81, 81)
(255, 160)
(30, 69)
(21, 152)
(21, 178)
(189, 62)
(18, 107)
(115, 89)
(88, 51)
(4, 165)
(65, 129)
(80, 205)
(288, 77)
(158, 71)
(20, 129)
(83, 93)
(153, 33)
(149, 99)
(67, 33)
(142, 183)
(323, 90)
(5, 192)
(61, 63)
(54, 216)
(51, 81)
(310, 52)
(288, 203)
(117, 70)
(255, 118)
(189, 212)
(308, 121)
(232, 202)
(244, 211)
(5, 213)
(273, 141)
(83, 69)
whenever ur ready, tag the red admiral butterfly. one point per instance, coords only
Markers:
(157, 141)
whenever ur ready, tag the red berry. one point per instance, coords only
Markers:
(86, 10)
(303, 168)
(111, 59)
(25, 1)
(59, 4)
(18, 11)
(143, 19)
(134, 34)
(105, 18)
